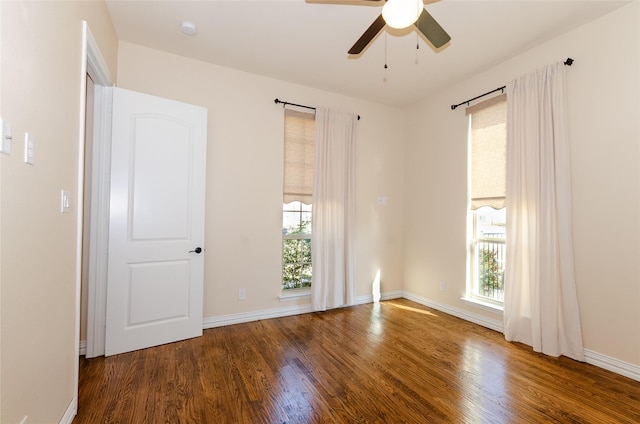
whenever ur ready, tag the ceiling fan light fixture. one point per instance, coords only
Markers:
(401, 13)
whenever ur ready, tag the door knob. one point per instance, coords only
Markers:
(196, 250)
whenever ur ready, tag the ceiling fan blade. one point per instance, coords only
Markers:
(368, 35)
(432, 29)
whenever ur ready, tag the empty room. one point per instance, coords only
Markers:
(290, 211)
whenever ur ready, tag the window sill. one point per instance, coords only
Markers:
(294, 294)
(487, 306)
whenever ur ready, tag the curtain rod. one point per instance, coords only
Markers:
(567, 62)
(276, 101)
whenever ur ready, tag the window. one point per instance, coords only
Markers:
(296, 246)
(487, 212)
(488, 253)
(299, 157)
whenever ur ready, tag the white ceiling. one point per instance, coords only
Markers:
(306, 42)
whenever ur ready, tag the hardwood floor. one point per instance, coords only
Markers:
(393, 362)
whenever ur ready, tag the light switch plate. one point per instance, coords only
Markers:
(65, 201)
(5, 137)
(29, 147)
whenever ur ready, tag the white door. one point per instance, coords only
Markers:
(156, 224)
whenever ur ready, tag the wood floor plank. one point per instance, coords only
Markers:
(392, 362)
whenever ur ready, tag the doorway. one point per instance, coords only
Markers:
(159, 210)
(93, 160)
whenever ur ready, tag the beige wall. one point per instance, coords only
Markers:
(244, 175)
(604, 111)
(40, 94)
(420, 151)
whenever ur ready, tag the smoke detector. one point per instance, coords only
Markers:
(188, 28)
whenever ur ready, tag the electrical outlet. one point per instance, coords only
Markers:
(443, 286)
(242, 294)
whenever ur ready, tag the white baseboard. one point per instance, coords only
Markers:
(83, 347)
(392, 295)
(361, 300)
(612, 364)
(255, 316)
(71, 412)
(493, 324)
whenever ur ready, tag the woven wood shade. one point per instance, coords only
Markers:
(299, 156)
(488, 152)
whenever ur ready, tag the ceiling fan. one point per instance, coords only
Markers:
(402, 14)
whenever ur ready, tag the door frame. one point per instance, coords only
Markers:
(98, 226)
(93, 63)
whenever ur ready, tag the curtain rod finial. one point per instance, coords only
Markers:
(568, 62)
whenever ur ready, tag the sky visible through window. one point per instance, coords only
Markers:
(296, 216)
(491, 222)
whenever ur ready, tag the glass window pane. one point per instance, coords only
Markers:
(491, 222)
(305, 222)
(296, 269)
(305, 275)
(290, 222)
(293, 206)
(490, 236)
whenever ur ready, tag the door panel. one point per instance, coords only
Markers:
(159, 184)
(154, 288)
(158, 292)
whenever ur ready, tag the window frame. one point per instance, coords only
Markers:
(297, 236)
(474, 289)
(474, 293)
(299, 159)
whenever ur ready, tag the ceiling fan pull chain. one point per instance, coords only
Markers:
(384, 79)
(417, 46)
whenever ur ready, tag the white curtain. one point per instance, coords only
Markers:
(540, 304)
(332, 248)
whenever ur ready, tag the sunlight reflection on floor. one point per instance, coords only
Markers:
(409, 308)
(484, 383)
(376, 326)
